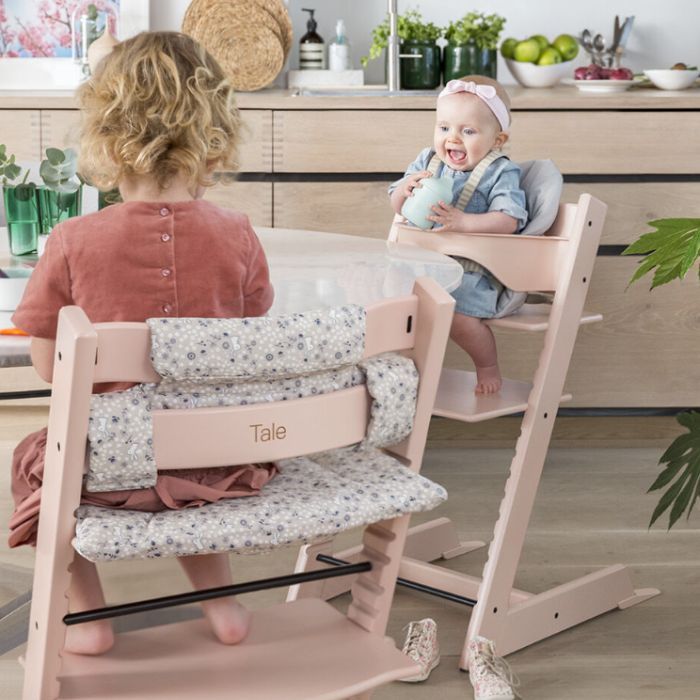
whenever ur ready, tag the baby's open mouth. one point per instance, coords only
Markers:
(456, 156)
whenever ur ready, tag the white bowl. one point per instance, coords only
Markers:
(12, 287)
(532, 75)
(672, 79)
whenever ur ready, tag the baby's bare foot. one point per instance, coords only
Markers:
(229, 620)
(91, 638)
(488, 380)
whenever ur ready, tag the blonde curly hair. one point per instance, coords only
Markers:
(160, 106)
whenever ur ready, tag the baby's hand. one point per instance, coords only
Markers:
(412, 181)
(448, 217)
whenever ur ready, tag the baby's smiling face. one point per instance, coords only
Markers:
(465, 131)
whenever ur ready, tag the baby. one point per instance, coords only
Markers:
(471, 126)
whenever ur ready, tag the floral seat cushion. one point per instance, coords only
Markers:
(312, 498)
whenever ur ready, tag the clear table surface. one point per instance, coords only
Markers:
(308, 270)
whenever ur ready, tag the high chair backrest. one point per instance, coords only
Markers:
(416, 325)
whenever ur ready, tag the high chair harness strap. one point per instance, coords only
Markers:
(474, 178)
(467, 191)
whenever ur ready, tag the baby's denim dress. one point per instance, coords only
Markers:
(499, 190)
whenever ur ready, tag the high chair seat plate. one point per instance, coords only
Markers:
(311, 498)
(304, 650)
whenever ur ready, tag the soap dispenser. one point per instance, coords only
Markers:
(339, 49)
(311, 48)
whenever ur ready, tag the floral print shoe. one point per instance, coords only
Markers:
(421, 645)
(490, 675)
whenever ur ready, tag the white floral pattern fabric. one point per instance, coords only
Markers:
(263, 347)
(392, 382)
(312, 498)
(120, 430)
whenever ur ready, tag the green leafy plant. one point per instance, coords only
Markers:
(477, 28)
(410, 27)
(670, 252)
(58, 172)
(9, 170)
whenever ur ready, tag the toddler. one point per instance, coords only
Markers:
(471, 126)
(158, 117)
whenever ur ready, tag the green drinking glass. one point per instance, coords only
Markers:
(23, 220)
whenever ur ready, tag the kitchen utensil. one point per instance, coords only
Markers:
(586, 41)
(599, 43)
(625, 31)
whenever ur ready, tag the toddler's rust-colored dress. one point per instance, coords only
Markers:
(130, 262)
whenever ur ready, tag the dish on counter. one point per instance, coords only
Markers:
(532, 75)
(601, 86)
(672, 78)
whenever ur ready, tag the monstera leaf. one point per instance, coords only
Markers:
(683, 460)
(670, 251)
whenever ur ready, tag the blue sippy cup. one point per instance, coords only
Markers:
(419, 206)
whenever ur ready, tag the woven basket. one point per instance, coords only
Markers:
(245, 37)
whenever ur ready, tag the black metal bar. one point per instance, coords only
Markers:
(210, 593)
(406, 583)
(33, 394)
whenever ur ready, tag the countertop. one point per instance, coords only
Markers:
(563, 97)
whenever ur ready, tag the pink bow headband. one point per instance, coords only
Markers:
(486, 93)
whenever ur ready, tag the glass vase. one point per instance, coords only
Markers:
(460, 60)
(55, 207)
(422, 72)
(23, 220)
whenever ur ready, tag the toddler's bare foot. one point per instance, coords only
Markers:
(91, 638)
(488, 380)
(229, 620)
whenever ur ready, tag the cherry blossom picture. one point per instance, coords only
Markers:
(43, 28)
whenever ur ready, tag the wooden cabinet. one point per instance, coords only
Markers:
(19, 131)
(325, 163)
(61, 128)
(253, 198)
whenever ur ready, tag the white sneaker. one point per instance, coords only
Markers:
(421, 645)
(490, 675)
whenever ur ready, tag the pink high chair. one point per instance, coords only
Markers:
(297, 651)
(557, 259)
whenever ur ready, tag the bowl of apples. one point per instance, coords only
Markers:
(598, 79)
(537, 63)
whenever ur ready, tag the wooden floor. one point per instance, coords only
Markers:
(592, 511)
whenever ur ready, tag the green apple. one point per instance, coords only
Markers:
(507, 47)
(567, 46)
(527, 51)
(541, 40)
(549, 57)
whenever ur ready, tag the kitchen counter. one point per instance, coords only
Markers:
(565, 97)
(324, 163)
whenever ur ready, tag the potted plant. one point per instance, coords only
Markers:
(471, 45)
(32, 211)
(420, 71)
(670, 252)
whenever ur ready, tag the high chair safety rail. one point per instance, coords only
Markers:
(327, 655)
(561, 262)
